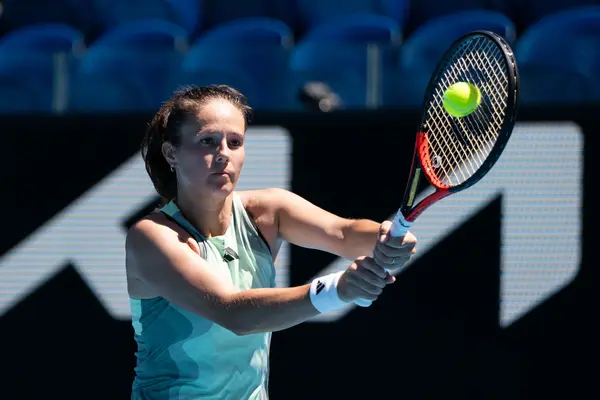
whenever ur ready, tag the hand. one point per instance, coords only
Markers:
(363, 279)
(393, 252)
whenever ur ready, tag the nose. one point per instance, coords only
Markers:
(222, 158)
(223, 153)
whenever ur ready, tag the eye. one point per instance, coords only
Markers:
(235, 143)
(207, 141)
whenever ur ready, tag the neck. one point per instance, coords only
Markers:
(209, 215)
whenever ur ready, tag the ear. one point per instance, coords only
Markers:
(168, 151)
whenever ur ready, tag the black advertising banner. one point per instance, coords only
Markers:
(497, 302)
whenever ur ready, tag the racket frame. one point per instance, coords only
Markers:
(418, 172)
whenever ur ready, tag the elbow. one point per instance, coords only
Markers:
(233, 324)
(242, 332)
(239, 328)
(233, 319)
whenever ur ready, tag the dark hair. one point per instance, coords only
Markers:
(165, 127)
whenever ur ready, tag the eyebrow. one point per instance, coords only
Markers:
(217, 132)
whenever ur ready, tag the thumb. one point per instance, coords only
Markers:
(384, 231)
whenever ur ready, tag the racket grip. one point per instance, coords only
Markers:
(399, 225)
(399, 228)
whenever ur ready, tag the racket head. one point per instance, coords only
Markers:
(452, 154)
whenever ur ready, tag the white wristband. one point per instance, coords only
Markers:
(324, 294)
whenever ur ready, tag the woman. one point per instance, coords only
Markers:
(200, 271)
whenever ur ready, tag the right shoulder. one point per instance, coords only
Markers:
(156, 232)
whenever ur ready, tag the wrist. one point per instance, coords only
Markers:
(324, 294)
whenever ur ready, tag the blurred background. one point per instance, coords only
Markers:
(70, 56)
(499, 302)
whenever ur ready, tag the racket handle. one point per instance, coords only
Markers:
(399, 228)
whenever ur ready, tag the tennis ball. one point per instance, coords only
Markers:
(461, 99)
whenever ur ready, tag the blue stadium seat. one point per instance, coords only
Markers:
(93, 93)
(531, 11)
(404, 89)
(357, 28)
(47, 37)
(552, 85)
(344, 44)
(249, 31)
(396, 9)
(209, 75)
(17, 97)
(257, 47)
(21, 13)
(31, 72)
(405, 85)
(223, 11)
(190, 14)
(315, 12)
(111, 13)
(566, 39)
(422, 11)
(138, 53)
(425, 46)
(559, 56)
(144, 34)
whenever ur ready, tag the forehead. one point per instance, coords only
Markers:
(216, 115)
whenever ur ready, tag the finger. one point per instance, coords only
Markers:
(400, 242)
(390, 262)
(392, 252)
(369, 264)
(381, 259)
(390, 279)
(384, 230)
(366, 277)
(363, 294)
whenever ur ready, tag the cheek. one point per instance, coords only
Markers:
(240, 157)
(195, 158)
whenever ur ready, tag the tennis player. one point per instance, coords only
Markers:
(200, 270)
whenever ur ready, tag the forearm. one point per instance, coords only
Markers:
(269, 309)
(359, 238)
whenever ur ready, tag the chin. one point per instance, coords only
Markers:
(222, 190)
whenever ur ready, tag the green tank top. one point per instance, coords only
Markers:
(184, 356)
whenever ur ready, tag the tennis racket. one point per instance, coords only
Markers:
(452, 154)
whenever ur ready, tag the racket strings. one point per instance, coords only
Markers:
(460, 146)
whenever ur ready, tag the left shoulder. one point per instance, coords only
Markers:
(262, 200)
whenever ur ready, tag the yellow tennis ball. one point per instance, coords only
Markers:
(461, 99)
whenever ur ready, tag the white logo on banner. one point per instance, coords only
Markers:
(539, 177)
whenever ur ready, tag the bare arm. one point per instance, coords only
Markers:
(171, 268)
(307, 225)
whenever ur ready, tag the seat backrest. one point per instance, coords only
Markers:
(531, 11)
(423, 11)
(220, 12)
(573, 35)
(144, 34)
(550, 85)
(358, 28)
(21, 13)
(108, 93)
(425, 46)
(315, 12)
(190, 13)
(260, 44)
(48, 37)
(257, 47)
(112, 13)
(261, 30)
